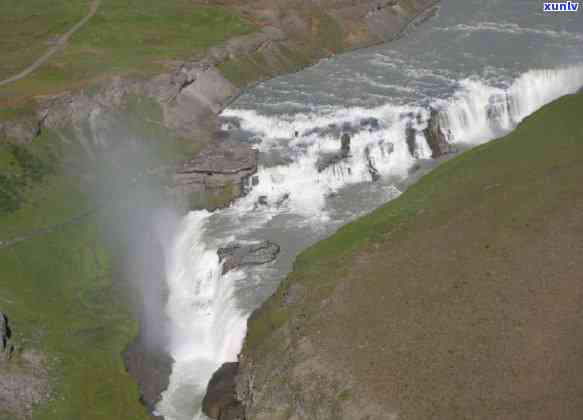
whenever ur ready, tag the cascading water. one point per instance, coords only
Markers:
(207, 322)
(473, 84)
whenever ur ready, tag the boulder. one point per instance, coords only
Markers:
(3, 331)
(235, 254)
(6, 347)
(372, 170)
(410, 136)
(219, 173)
(436, 135)
(330, 159)
(345, 145)
(220, 401)
(370, 123)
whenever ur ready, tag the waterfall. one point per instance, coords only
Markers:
(208, 327)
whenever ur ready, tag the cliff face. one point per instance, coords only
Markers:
(457, 300)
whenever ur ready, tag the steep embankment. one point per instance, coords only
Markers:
(459, 299)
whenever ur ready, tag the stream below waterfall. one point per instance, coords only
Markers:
(485, 65)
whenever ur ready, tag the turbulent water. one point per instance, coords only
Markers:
(484, 65)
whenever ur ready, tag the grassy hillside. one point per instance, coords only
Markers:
(129, 36)
(57, 287)
(461, 299)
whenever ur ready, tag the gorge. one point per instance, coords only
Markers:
(457, 81)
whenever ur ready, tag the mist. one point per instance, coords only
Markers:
(136, 217)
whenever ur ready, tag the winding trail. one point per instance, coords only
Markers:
(59, 45)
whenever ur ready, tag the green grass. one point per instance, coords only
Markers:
(326, 37)
(59, 292)
(125, 36)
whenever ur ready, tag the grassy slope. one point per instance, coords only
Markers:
(326, 37)
(130, 36)
(461, 298)
(58, 291)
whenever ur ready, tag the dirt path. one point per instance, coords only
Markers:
(59, 45)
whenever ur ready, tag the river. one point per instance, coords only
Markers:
(485, 64)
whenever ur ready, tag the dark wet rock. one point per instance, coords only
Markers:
(372, 170)
(6, 347)
(410, 136)
(220, 401)
(218, 174)
(282, 200)
(255, 181)
(236, 254)
(3, 330)
(370, 123)
(437, 135)
(330, 159)
(345, 144)
(262, 200)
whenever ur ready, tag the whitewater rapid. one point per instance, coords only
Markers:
(291, 196)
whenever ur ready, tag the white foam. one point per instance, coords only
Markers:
(513, 29)
(478, 111)
(207, 329)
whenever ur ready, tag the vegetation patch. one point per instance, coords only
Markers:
(59, 291)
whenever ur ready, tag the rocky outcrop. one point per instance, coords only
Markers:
(436, 135)
(236, 255)
(330, 159)
(220, 400)
(411, 138)
(372, 170)
(20, 130)
(6, 347)
(222, 170)
(151, 368)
